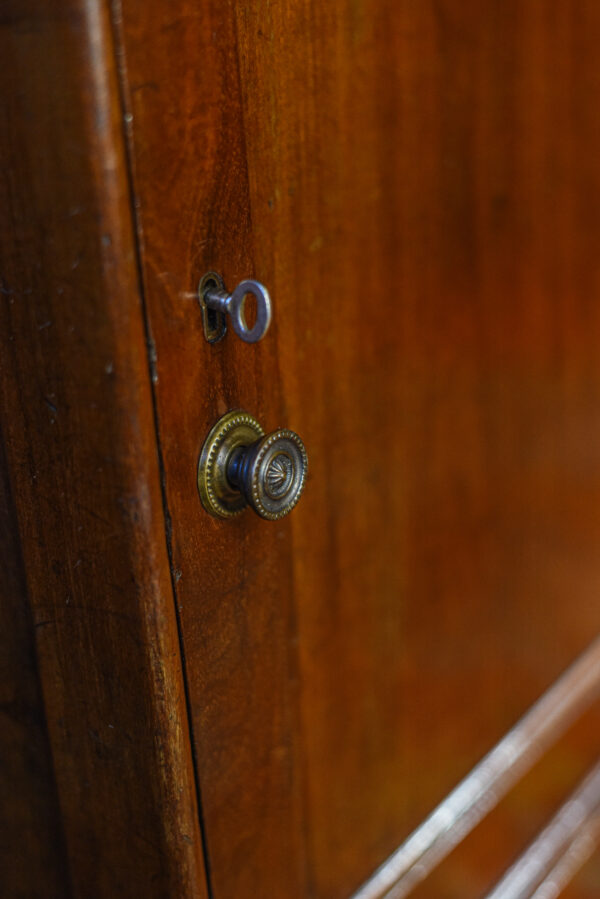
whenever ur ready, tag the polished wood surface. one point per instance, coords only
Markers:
(563, 846)
(77, 421)
(467, 805)
(32, 850)
(483, 855)
(417, 183)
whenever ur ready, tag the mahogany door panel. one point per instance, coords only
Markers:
(417, 185)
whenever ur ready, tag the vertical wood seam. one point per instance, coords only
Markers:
(125, 106)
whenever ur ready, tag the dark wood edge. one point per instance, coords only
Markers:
(76, 410)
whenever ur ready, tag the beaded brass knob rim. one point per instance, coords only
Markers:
(233, 430)
(240, 466)
(278, 474)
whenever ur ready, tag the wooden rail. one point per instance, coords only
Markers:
(553, 858)
(489, 781)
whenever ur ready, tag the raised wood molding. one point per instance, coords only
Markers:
(575, 856)
(489, 781)
(77, 417)
(557, 853)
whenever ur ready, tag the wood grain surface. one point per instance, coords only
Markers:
(417, 183)
(479, 861)
(32, 850)
(76, 415)
(490, 780)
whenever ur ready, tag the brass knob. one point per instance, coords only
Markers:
(240, 465)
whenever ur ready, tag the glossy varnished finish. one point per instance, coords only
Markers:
(468, 804)
(480, 860)
(76, 415)
(240, 654)
(417, 184)
(571, 834)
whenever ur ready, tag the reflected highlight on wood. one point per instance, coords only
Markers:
(491, 779)
(567, 866)
(560, 850)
